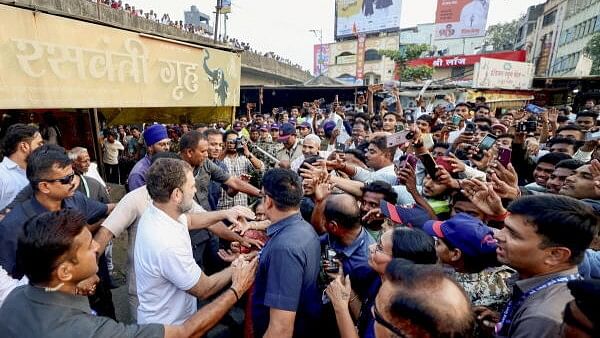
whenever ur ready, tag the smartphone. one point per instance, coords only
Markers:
(470, 128)
(592, 136)
(488, 141)
(412, 160)
(442, 162)
(429, 164)
(340, 146)
(504, 155)
(399, 127)
(428, 141)
(409, 116)
(456, 120)
(532, 108)
(399, 138)
(531, 126)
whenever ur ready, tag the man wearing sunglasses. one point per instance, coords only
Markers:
(54, 184)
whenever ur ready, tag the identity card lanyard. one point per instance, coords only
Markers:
(512, 306)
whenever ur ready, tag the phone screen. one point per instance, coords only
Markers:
(504, 156)
(487, 142)
(429, 163)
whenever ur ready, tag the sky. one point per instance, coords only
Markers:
(283, 26)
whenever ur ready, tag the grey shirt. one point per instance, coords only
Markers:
(540, 315)
(32, 312)
(206, 172)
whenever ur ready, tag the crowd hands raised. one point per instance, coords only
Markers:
(344, 220)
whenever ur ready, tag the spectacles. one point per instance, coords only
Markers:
(379, 319)
(63, 180)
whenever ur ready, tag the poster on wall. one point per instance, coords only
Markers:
(366, 16)
(320, 59)
(457, 19)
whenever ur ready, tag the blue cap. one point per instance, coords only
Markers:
(328, 127)
(274, 126)
(155, 134)
(286, 130)
(465, 232)
(414, 216)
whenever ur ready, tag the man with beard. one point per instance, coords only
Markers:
(168, 279)
(291, 146)
(310, 147)
(157, 140)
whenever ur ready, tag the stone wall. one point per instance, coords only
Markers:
(263, 68)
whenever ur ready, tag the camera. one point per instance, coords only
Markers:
(239, 144)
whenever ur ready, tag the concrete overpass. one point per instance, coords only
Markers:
(256, 69)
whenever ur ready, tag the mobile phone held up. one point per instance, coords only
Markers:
(592, 136)
(486, 143)
(399, 138)
(429, 164)
(504, 156)
(527, 127)
(532, 108)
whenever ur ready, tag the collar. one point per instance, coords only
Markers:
(349, 250)
(273, 229)
(61, 299)
(160, 217)
(527, 284)
(10, 164)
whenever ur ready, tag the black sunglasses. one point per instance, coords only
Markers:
(63, 180)
(379, 319)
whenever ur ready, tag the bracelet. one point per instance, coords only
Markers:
(499, 218)
(237, 296)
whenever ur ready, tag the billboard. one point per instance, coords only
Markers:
(457, 19)
(502, 74)
(320, 59)
(225, 6)
(365, 16)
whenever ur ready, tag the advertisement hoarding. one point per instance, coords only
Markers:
(365, 16)
(225, 6)
(320, 59)
(457, 19)
(466, 60)
(502, 74)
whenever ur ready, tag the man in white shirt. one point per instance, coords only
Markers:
(167, 276)
(310, 147)
(111, 147)
(20, 141)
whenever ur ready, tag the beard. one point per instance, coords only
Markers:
(185, 206)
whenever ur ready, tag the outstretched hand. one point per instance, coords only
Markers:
(483, 196)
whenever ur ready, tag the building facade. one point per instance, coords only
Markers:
(582, 21)
(343, 59)
(197, 19)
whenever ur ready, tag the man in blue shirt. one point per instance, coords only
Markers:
(18, 143)
(157, 141)
(346, 236)
(286, 301)
(54, 183)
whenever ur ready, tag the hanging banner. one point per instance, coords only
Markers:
(457, 19)
(366, 16)
(360, 57)
(320, 59)
(54, 62)
(225, 6)
(501, 74)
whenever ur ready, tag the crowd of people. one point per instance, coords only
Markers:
(317, 220)
(165, 19)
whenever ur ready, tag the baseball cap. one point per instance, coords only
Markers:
(286, 130)
(465, 232)
(264, 127)
(305, 125)
(274, 126)
(292, 120)
(414, 216)
(328, 127)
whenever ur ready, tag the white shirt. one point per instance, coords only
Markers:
(93, 173)
(111, 152)
(125, 216)
(164, 269)
(385, 174)
(12, 180)
(295, 165)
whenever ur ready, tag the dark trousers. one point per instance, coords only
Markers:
(101, 301)
(112, 173)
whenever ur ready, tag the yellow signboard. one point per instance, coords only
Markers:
(48, 61)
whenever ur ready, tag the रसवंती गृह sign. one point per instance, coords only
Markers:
(54, 62)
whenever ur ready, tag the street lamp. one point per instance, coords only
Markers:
(320, 57)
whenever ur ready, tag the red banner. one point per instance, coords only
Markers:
(360, 56)
(466, 60)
